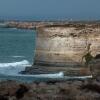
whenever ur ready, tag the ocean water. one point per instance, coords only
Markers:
(16, 49)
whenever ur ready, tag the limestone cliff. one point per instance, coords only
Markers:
(63, 46)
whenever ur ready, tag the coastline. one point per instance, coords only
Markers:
(35, 24)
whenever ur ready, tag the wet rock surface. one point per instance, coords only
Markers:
(67, 90)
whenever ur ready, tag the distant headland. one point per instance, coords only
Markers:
(35, 24)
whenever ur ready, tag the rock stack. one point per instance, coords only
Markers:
(68, 48)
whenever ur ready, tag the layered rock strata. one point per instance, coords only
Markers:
(62, 47)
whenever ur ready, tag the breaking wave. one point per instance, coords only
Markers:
(13, 67)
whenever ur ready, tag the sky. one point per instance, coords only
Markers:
(50, 9)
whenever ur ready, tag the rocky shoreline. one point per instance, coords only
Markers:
(67, 90)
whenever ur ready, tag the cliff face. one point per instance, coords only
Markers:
(65, 46)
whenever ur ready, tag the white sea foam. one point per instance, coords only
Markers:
(55, 75)
(78, 77)
(13, 68)
(14, 64)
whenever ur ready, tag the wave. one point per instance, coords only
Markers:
(13, 68)
(14, 64)
(18, 56)
(54, 75)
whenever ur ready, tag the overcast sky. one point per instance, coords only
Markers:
(45, 9)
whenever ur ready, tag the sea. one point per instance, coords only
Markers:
(16, 50)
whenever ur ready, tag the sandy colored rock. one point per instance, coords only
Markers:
(62, 47)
